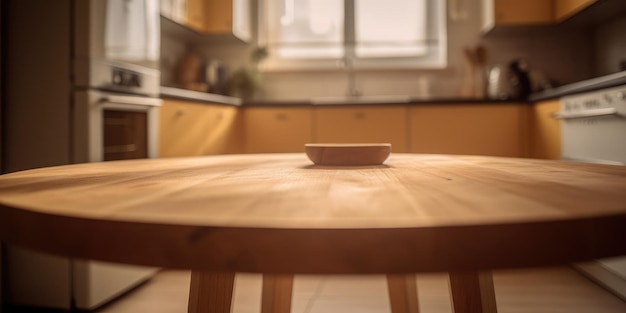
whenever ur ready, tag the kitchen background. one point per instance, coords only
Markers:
(565, 53)
(562, 54)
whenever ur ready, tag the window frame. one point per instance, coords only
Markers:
(435, 58)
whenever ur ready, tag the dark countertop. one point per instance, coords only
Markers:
(597, 83)
(408, 101)
(184, 94)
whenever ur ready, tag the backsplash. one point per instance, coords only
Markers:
(563, 56)
(610, 43)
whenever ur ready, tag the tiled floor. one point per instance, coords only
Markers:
(546, 290)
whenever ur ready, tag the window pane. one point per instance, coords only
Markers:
(390, 28)
(306, 28)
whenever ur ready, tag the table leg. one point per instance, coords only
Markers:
(211, 292)
(472, 292)
(403, 293)
(276, 295)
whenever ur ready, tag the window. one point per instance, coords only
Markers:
(317, 34)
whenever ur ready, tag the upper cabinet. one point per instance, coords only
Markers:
(211, 17)
(517, 12)
(196, 14)
(228, 17)
(566, 8)
(529, 12)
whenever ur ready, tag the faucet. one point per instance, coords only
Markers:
(348, 65)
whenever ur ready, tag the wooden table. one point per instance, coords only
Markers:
(280, 215)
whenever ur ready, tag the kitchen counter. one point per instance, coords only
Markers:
(597, 83)
(178, 93)
(601, 82)
(360, 102)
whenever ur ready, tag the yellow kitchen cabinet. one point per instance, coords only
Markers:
(476, 129)
(274, 129)
(516, 12)
(564, 9)
(190, 128)
(545, 131)
(196, 14)
(230, 17)
(366, 124)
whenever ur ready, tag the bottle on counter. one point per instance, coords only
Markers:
(520, 79)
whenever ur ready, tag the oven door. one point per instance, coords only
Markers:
(111, 126)
(594, 138)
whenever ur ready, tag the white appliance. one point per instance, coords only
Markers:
(82, 86)
(594, 130)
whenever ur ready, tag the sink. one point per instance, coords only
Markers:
(389, 99)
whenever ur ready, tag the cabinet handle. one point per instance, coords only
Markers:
(587, 114)
(181, 112)
(281, 116)
(132, 100)
(360, 115)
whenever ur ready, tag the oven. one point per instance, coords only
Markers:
(593, 128)
(112, 126)
(84, 87)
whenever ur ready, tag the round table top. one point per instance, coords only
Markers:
(279, 213)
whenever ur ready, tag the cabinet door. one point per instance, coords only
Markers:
(497, 130)
(545, 131)
(219, 16)
(566, 8)
(193, 128)
(225, 130)
(230, 17)
(273, 130)
(196, 14)
(379, 124)
(522, 12)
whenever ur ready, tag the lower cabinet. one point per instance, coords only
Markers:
(276, 130)
(545, 135)
(194, 128)
(490, 129)
(190, 128)
(365, 124)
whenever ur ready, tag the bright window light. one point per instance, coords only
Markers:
(390, 28)
(316, 34)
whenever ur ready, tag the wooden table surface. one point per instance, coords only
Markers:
(279, 213)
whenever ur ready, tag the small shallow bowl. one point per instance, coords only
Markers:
(348, 154)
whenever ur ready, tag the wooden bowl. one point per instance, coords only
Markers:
(352, 154)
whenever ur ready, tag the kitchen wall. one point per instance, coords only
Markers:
(610, 43)
(563, 56)
(173, 48)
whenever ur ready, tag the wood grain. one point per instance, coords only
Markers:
(272, 213)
